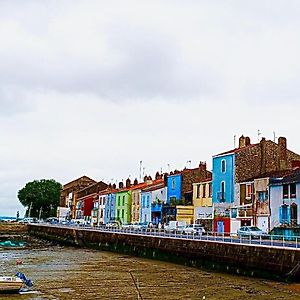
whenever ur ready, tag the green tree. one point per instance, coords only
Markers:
(40, 197)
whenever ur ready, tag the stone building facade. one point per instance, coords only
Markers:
(190, 176)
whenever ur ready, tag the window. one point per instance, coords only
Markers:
(234, 213)
(284, 215)
(248, 191)
(198, 190)
(294, 214)
(122, 213)
(289, 191)
(285, 191)
(173, 183)
(262, 196)
(123, 200)
(223, 166)
(221, 194)
(204, 190)
(209, 190)
(119, 200)
(293, 190)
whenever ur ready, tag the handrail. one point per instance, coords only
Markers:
(266, 241)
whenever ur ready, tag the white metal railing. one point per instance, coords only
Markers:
(268, 240)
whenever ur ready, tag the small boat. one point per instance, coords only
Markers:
(10, 284)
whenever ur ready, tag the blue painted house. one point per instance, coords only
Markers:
(223, 178)
(174, 196)
(110, 208)
(174, 185)
(284, 203)
(145, 208)
(223, 182)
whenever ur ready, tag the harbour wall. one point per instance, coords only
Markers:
(250, 260)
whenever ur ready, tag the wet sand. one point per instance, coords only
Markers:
(71, 273)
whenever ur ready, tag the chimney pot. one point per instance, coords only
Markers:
(128, 182)
(244, 141)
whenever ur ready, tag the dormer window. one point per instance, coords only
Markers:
(223, 166)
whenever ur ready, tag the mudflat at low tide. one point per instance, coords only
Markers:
(72, 273)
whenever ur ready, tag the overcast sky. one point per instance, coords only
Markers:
(93, 87)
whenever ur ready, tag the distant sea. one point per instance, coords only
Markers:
(6, 218)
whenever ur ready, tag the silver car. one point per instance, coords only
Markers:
(194, 229)
(251, 231)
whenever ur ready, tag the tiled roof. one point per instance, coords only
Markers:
(292, 176)
(154, 186)
(274, 174)
(236, 150)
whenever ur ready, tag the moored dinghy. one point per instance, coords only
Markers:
(10, 284)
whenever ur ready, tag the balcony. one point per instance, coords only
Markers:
(156, 207)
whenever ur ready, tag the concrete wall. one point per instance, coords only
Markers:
(242, 259)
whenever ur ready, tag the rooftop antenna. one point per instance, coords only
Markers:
(258, 134)
(144, 171)
(189, 162)
(234, 141)
(168, 168)
(141, 162)
(274, 137)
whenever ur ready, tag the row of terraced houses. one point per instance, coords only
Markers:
(254, 184)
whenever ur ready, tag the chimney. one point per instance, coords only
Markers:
(158, 176)
(114, 186)
(247, 141)
(165, 177)
(149, 180)
(202, 165)
(244, 141)
(121, 184)
(145, 178)
(282, 153)
(128, 183)
(135, 182)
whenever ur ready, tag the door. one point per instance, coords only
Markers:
(220, 227)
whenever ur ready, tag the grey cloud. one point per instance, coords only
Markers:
(13, 100)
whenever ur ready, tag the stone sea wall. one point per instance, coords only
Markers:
(250, 260)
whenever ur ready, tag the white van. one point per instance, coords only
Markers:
(175, 226)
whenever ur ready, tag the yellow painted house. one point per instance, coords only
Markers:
(185, 213)
(202, 200)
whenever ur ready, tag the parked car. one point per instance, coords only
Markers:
(127, 226)
(175, 226)
(194, 229)
(28, 220)
(251, 231)
(52, 220)
(79, 222)
(113, 225)
(140, 226)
